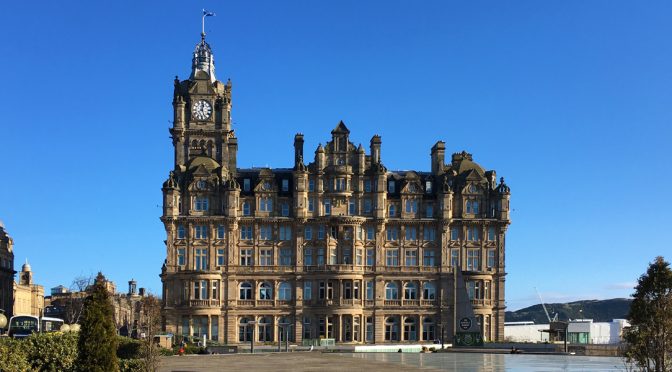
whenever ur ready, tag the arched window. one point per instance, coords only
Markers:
(391, 329)
(428, 291)
(428, 329)
(265, 329)
(284, 292)
(245, 291)
(391, 291)
(265, 291)
(410, 333)
(244, 330)
(410, 291)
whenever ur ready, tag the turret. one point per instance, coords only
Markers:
(232, 146)
(171, 196)
(375, 149)
(504, 192)
(298, 148)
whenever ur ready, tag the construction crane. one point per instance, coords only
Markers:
(544, 306)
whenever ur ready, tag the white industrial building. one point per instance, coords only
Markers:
(579, 331)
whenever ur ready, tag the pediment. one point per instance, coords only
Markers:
(412, 187)
(266, 185)
(201, 171)
(473, 175)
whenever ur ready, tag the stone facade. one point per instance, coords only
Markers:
(6, 272)
(28, 297)
(340, 248)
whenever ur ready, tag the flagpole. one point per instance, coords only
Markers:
(203, 23)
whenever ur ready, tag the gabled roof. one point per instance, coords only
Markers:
(340, 128)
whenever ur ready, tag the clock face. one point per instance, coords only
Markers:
(201, 110)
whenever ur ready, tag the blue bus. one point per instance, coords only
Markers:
(24, 325)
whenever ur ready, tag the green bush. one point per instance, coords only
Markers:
(13, 355)
(52, 351)
(131, 365)
(128, 348)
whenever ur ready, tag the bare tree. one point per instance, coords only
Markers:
(150, 326)
(73, 303)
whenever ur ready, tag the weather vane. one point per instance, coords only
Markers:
(205, 14)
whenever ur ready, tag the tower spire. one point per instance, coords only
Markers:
(203, 60)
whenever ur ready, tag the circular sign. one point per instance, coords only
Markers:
(465, 323)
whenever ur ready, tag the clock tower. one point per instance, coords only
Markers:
(202, 114)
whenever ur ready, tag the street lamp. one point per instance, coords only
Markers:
(251, 324)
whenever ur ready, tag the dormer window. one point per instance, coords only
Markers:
(201, 203)
(473, 189)
(428, 187)
(202, 185)
(390, 187)
(246, 184)
(285, 185)
(472, 206)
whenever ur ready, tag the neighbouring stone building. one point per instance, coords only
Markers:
(339, 247)
(28, 296)
(6, 272)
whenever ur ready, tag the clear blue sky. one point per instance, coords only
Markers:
(571, 101)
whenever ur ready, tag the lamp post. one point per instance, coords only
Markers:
(251, 324)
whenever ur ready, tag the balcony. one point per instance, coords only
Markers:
(411, 302)
(265, 302)
(264, 269)
(427, 302)
(335, 268)
(245, 302)
(204, 303)
(392, 302)
(481, 303)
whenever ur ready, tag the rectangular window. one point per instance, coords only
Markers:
(392, 233)
(246, 257)
(320, 256)
(201, 259)
(180, 257)
(201, 203)
(265, 232)
(429, 258)
(472, 233)
(411, 257)
(360, 233)
(454, 233)
(285, 233)
(367, 205)
(369, 290)
(430, 233)
(455, 257)
(390, 187)
(285, 185)
(359, 259)
(311, 185)
(411, 206)
(285, 256)
(339, 184)
(266, 204)
(333, 231)
(214, 289)
(266, 257)
(488, 293)
(429, 211)
(201, 232)
(214, 328)
(308, 256)
(246, 209)
(332, 256)
(392, 257)
(308, 233)
(367, 185)
(311, 204)
(180, 232)
(491, 233)
(370, 256)
(321, 290)
(491, 258)
(473, 259)
(246, 233)
(220, 257)
(285, 210)
(370, 233)
(351, 208)
(327, 207)
(428, 187)
(246, 184)
(307, 290)
(221, 232)
(347, 256)
(411, 233)
(320, 232)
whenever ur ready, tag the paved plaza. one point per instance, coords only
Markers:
(298, 362)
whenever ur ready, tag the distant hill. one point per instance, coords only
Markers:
(598, 310)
